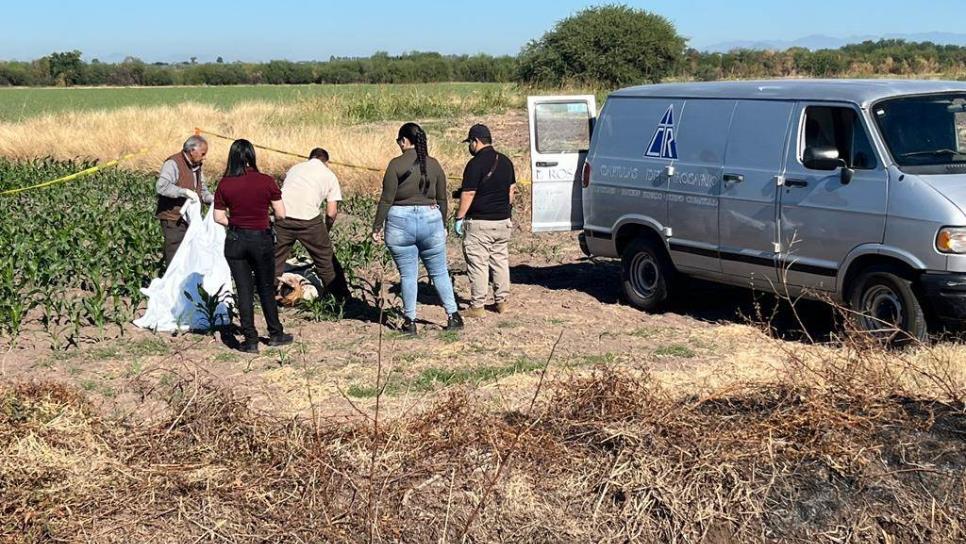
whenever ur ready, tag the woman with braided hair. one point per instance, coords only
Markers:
(412, 211)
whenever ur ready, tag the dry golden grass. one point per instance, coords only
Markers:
(608, 457)
(748, 355)
(295, 127)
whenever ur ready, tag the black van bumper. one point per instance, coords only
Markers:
(945, 294)
(597, 243)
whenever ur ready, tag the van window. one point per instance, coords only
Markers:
(702, 130)
(627, 126)
(758, 133)
(926, 134)
(841, 128)
(562, 127)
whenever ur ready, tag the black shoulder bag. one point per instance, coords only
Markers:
(459, 192)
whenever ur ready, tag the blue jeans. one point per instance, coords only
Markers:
(414, 233)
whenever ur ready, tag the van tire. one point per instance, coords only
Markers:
(647, 276)
(883, 294)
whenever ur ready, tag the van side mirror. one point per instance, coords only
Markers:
(847, 174)
(827, 158)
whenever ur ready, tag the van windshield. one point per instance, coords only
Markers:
(926, 134)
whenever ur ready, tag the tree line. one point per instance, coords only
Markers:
(601, 46)
(69, 69)
(870, 58)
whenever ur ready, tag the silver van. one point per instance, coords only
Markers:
(849, 189)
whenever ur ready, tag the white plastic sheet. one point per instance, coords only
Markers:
(200, 261)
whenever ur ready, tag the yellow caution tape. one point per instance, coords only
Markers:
(199, 131)
(73, 176)
(283, 152)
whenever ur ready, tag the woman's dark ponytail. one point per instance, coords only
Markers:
(422, 151)
(417, 136)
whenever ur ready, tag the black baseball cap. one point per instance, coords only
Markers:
(478, 132)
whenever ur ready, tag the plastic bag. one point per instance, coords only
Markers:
(174, 300)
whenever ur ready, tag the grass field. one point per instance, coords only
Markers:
(17, 104)
(357, 124)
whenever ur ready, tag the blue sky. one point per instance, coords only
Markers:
(262, 30)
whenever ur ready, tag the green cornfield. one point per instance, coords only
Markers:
(76, 255)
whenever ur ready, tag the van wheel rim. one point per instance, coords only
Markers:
(882, 310)
(645, 275)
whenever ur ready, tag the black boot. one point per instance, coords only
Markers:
(282, 339)
(250, 345)
(409, 327)
(454, 322)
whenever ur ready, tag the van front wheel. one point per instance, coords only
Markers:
(886, 307)
(646, 275)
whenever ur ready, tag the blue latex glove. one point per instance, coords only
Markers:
(458, 227)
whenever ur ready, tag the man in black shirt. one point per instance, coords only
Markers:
(483, 220)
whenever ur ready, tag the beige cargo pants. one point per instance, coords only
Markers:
(486, 246)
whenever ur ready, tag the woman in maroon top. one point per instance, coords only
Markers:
(242, 200)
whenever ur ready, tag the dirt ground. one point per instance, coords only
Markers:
(558, 297)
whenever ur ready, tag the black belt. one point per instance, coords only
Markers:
(253, 231)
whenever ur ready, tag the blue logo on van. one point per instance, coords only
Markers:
(663, 145)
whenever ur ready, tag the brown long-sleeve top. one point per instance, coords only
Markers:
(402, 186)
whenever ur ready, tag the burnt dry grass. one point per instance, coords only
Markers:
(609, 457)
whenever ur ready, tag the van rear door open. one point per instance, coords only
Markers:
(560, 129)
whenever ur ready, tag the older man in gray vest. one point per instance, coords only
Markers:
(181, 179)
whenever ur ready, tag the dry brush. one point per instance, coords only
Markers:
(843, 456)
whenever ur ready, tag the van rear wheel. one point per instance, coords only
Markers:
(886, 307)
(646, 276)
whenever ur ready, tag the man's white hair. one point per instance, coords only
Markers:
(193, 143)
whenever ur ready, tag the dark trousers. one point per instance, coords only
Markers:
(249, 254)
(173, 232)
(314, 236)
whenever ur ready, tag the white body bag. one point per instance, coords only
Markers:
(174, 299)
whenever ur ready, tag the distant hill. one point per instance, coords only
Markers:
(819, 41)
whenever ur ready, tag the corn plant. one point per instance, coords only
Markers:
(353, 246)
(95, 305)
(323, 308)
(207, 305)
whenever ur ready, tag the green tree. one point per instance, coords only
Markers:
(97, 74)
(129, 72)
(278, 72)
(66, 67)
(614, 45)
(157, 76)
(17, 74)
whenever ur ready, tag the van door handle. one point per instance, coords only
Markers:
(733, 178)
(796, 183)
(542, 164)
